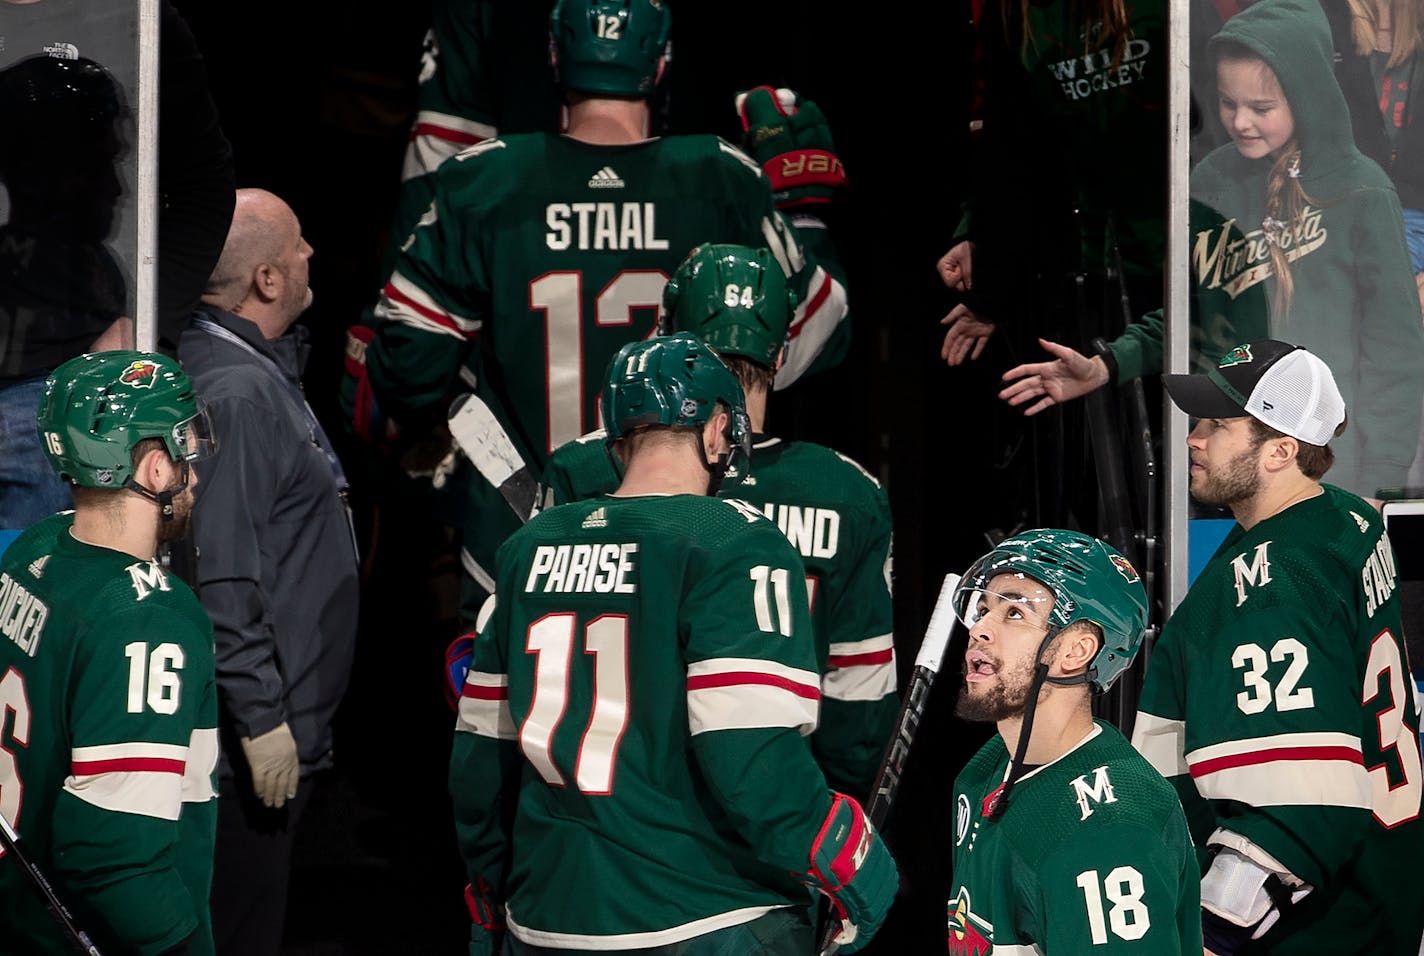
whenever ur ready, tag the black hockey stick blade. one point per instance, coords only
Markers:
(10, 842)
(912, 708)
(482, 438)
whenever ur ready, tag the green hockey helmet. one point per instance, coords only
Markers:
(1090, 581)
(734, 298)
(673, 380)
(97, 407)
(611, 47)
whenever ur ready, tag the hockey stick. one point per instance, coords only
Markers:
(10, 842)
(912, 708)
(479, 434)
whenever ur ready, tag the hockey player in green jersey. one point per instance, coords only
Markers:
(108, 740)
(836, 515)
(542, 254)
(629, 769)
(1066, 841)
(1278, 697)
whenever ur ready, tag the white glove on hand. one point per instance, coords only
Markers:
(272, 758)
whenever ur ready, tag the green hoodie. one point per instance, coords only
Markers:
(1354, 304)
(1066, 111)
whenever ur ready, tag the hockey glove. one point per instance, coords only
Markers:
(487, 928)
(457, 665)
(792, 142)
(272, 758)
(850, 864)
(357, 399)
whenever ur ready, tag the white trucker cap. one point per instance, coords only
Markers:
(1279, 384)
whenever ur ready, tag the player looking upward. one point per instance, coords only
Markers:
(1066, 840)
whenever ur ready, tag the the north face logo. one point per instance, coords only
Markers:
(141, 374)
(1237, 356)
(605, 178)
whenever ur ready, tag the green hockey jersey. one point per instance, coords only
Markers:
(630, 767)
(107, 747)
(838, 518)
(1278, 701)
(1091, 855)
(541, 256)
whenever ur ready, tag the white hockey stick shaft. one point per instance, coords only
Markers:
(482, 438)
(912, 708)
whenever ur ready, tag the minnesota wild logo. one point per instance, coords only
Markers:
(1124, 567)
(1237, 356)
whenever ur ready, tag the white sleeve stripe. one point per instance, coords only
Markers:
(128, 750)
(740, 156)
(816, 320)
(861, 682)
(417, 298)
(202, 761)
(1289, 783)
(869, 645)
(475, 570)
(143, 792)
(1161, 741)
(752, 665)
(1333, 744)
(450, 127)
(392, 311)
(776, 246)
(485, 679)
(486, 717)
(749, 707)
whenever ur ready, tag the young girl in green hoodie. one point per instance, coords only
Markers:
(1302, 214)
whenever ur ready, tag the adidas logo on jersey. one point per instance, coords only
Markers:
(598, 518)
(605, 178)
(37, 566)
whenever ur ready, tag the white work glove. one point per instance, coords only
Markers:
(272, 758)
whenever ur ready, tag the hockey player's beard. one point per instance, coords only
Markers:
(1225, 485)
(1005, 698)
(176, 528)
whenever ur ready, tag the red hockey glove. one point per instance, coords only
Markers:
(792, 141)
(357, 399)
(487, 928)
(850, 864)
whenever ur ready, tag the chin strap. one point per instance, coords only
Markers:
(715, 472)
(999, 802)
(164, 499)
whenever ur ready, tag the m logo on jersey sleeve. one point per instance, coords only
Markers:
(147, 577)
(1256, 574)
(968, 935)
(1088, 795)
(141, 374)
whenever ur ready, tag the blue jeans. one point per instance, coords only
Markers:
(29, 488)
(1414, 237)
